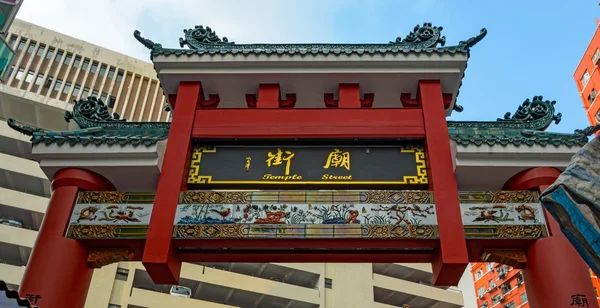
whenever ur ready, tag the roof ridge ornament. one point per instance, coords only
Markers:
(536, 115)
(87, 112)
(426, 34)
(200, 35)
(202, 39)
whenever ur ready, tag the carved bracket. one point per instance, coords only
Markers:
(212, 101)
(100, 257)
(409, 102)
(516, 258)
(269, 96)
(349, 97)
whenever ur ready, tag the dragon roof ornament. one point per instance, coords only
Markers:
(200, 40)
(97, 126)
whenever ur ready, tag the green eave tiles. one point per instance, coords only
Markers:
(97, 126)
(203, 40)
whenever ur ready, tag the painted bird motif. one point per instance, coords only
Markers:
(223, 213)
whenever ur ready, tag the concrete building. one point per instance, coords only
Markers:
(51, 71)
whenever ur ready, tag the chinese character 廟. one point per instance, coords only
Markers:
(338, 158)
(278, 158)
(579, 300)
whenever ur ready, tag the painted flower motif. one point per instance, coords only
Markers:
(246, 209)
(246, 216)
(301, 211)
(295, 209)
(265, 207)
(284, 206)
(273, 207)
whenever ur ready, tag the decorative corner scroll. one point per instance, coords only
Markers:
(90, 110)
(146, 42)
(23, 128)
(588, 131)
(474, 40)
(100, 257)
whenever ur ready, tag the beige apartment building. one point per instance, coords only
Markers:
(50, 72)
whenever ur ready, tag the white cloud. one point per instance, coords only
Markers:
(110, 23)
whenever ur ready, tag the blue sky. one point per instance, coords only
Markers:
(532, 47)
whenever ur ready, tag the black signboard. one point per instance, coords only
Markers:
(235, 166)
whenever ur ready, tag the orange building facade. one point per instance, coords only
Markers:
(501, 286)
(587, 78)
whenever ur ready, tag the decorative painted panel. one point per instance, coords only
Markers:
(220, 166)
(306, 214)
(110, 215)
(502, 214)
(393, 214)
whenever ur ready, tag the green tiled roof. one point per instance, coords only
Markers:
(526, 127)
(97, 126)
(203, 40)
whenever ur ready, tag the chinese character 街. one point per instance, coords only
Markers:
(339, 159)
(279, 157)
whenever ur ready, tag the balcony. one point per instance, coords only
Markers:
(230, 289)
(397, 292)
(23, 175)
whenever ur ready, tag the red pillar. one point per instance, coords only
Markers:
(160, 259)
(57, 269)
(451, 259)
(555, 272)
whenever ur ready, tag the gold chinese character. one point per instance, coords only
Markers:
(248, 159)
(338, 158)
(278, 158)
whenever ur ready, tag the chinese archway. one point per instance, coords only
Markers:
(304, 153)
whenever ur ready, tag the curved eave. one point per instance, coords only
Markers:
(387, 75)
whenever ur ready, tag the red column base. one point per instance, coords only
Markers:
(57, 270)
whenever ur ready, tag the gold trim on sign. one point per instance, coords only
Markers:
(194, 176)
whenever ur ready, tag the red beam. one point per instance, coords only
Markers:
(451, 259)
(305, 243)
(309, 123)
(159, 258)
(306, 258)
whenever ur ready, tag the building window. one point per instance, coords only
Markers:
(524, 298)
(48, 82)
(484, 305)
(495, 299)
(505, 287)
(119, 76)
(20, 73)
(328, 283)
(592, 96)
(29, 77)
(481, 292)
(13, 39)
(114, 306)
(85, 65)
(12, 68)
(50, 53)
(94, 67)
(111, 73)
(22, 44)
(104, 96)
(39, 79)
(585, 79)
(510, 305)
(111, 101)
(68, 59)
(478, 274)
(76, 89)
(77, 61)
(67, 88)
(59, 55)
(40, 50)
(596, 56)
(598, 116)
(85, 93)
(102, 70)
(122, 274)
(31, 47)
(95, 93)
(489, 266)
(57, 85)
